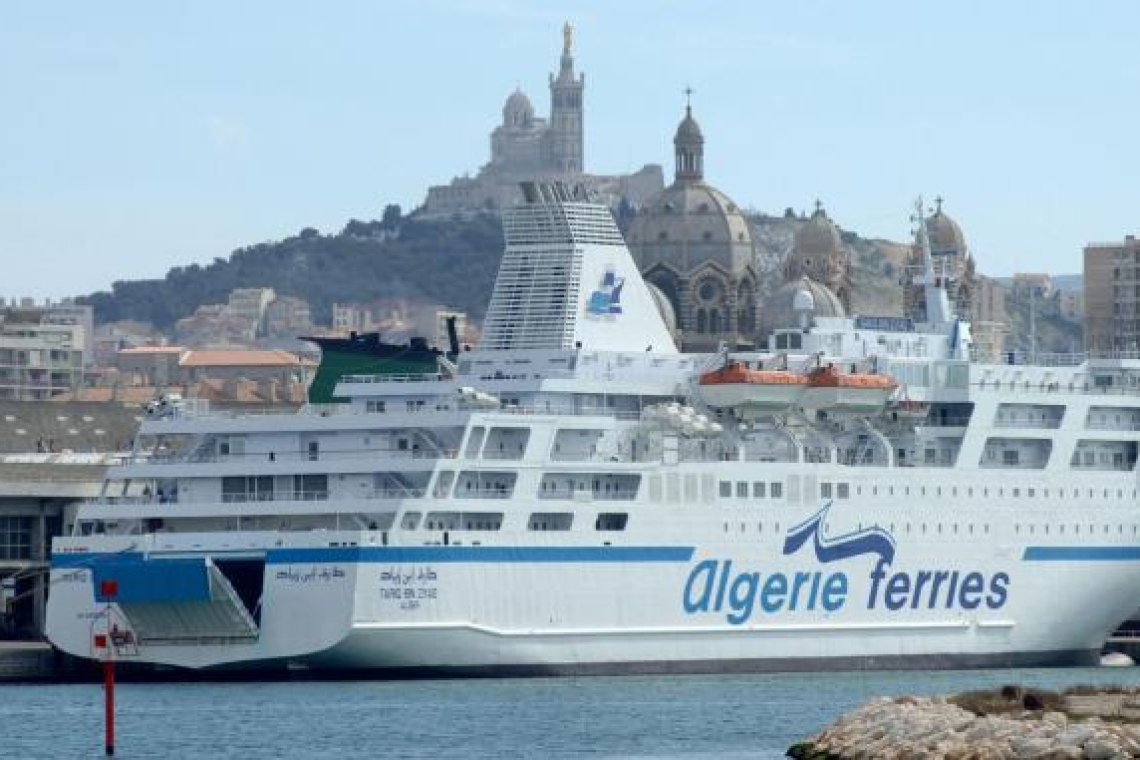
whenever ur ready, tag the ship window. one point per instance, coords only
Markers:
(776, 489)
(410, 520)
(464, 520)
(612, 521)
(758, 489)
(741, 489)
(825, 490)
(1030, 492)
(1017, 492)
(252, 488)
(550, 521)
(843, 491)
(374, 406)
(725, 489)
(311, 487)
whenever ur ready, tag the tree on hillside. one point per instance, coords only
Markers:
(452, 263)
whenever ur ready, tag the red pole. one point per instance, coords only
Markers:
(109, 705)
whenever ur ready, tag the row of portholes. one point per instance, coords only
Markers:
(1059, 528)
(951, 528)
(955, 529)
(774, 528)
(1030, 492)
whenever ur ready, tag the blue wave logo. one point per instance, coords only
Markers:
(606, 300)
(866, 541)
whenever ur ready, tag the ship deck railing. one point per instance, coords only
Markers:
(416, 377)
(383, 494)
(1066, 359)
(1055, 386)
(287, 456)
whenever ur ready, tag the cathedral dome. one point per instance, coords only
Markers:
(818, 237)
(689, 224)
(779, 312)
(517, 111)
(818, 253)
(944, 233)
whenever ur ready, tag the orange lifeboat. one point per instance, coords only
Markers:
(738, 386)
(830, 389)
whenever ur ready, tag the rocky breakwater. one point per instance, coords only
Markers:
(1010, 724)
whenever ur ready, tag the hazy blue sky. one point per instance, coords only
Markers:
(135, 136)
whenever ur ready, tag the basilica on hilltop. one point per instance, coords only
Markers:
(528, 147)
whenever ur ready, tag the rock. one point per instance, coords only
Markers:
(920, 728)
(1031, 747)
(1075, 735)
(1099, 748)
(1062, 753)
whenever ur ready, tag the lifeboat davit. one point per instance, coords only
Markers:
(737, 386)
(835, 391)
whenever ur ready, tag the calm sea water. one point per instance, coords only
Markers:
(652, 717)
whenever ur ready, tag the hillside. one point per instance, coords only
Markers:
(454, 262)
(451, 262)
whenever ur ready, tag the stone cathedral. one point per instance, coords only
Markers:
(693, 244)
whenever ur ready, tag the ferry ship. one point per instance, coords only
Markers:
(576, 496)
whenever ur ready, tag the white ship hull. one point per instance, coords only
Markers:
(572, 608)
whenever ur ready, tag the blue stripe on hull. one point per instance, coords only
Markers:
(439, 554)
(497, 554)
(1081, 554)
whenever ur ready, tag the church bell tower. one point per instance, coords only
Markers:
(566, 133)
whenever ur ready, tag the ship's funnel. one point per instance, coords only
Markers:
(567, 281)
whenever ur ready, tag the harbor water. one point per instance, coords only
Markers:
(753, 716)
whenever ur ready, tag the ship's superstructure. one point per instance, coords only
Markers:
(576, 496)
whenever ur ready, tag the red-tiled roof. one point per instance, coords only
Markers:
(242, 357)
(152, 350)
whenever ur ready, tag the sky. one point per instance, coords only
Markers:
(138, 136)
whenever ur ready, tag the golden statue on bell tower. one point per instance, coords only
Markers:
(567, 38)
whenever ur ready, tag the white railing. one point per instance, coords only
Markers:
(420, 377)
(381, 494)
(1056, 386)
(289, 456)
